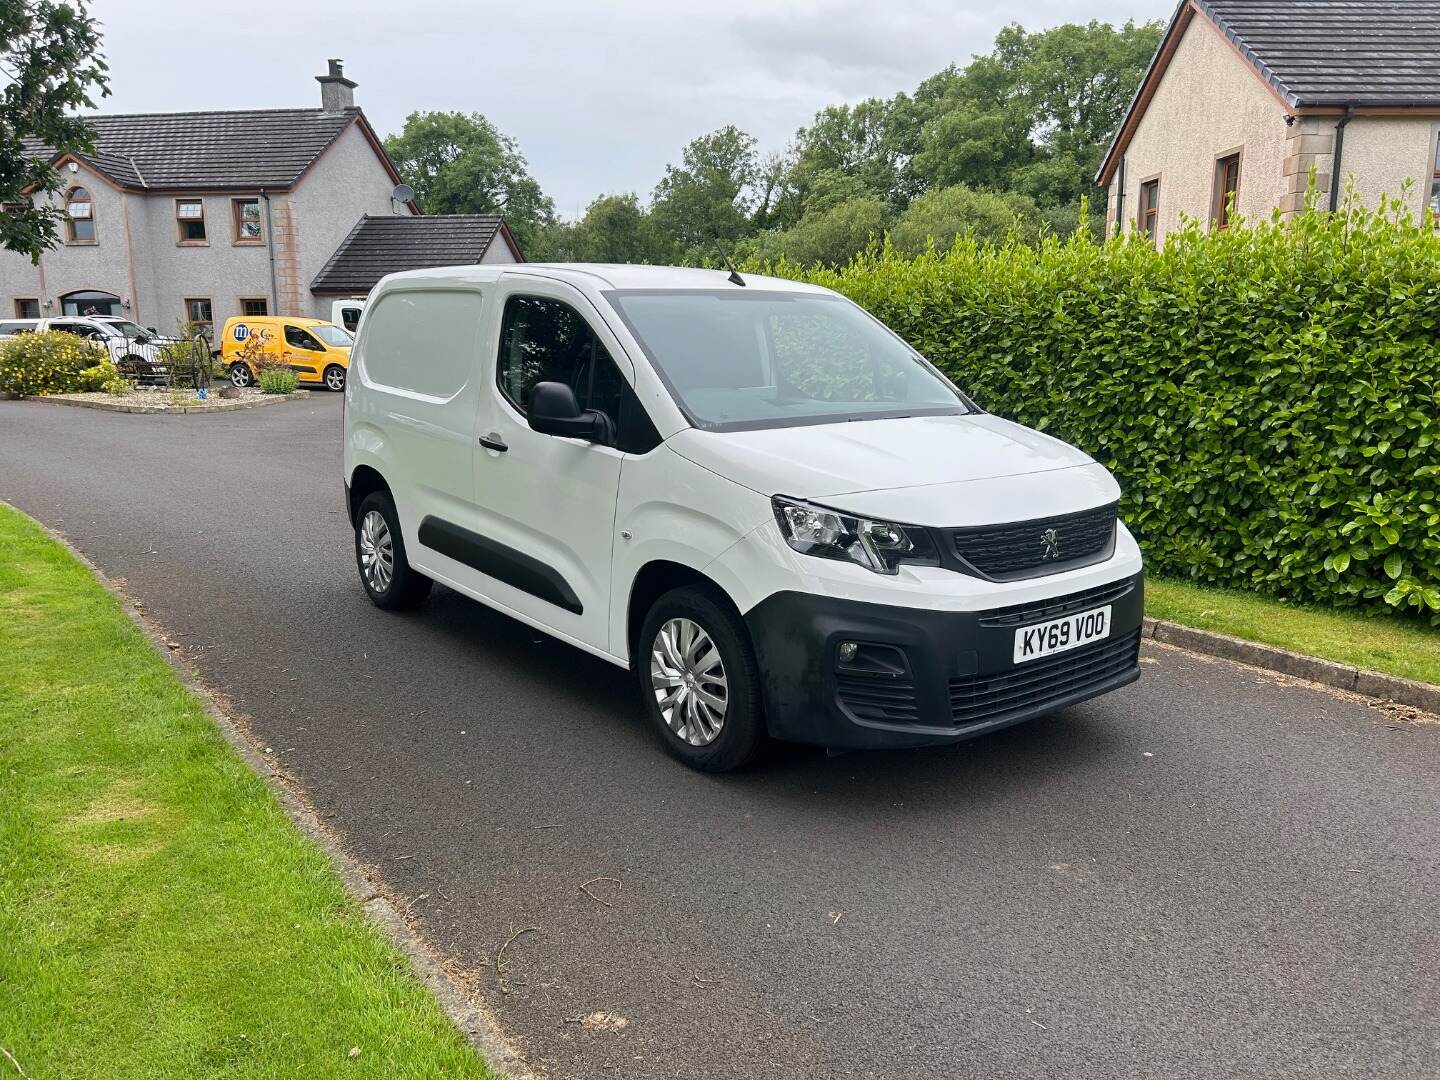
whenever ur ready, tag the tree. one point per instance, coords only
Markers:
(946, 214)
(708, 197)
(461, 164)
(831, 237)
(615, 229)
(1037, 113)
(50, 55)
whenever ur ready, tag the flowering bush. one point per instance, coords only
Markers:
(96, 378)
(49, 362)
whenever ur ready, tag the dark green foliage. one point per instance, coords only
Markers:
(1269, 397)
(51, 62)
(461, 164)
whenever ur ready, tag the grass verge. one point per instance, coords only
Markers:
(159, 914)
(1392, 645)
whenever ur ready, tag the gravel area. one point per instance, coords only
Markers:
(160, 400)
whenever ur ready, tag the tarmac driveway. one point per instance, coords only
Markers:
(1211, 873)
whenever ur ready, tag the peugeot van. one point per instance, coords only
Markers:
(317, 351)
(748, 491)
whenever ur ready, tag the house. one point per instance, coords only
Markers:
(198, 216)
(1245, 99)
(381, 244)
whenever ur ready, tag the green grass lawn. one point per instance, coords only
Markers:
(159, 914)
(1406, 647)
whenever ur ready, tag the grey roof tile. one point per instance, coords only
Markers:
(380, 245)
(1338, 52)
(210, 150)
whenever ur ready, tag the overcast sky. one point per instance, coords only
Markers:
(600, 95)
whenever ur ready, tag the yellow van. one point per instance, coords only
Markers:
(317, 351)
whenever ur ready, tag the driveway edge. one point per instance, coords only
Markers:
(476, 1024)
(1370, 684)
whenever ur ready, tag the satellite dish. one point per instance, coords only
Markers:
(403, 193)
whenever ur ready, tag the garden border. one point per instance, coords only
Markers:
(172, 410)
(364, 884)
(1371, 684)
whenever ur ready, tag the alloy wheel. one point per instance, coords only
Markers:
(377, 551)
(335, 378)
(687, 677)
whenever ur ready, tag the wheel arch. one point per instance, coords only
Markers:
(364, 481)
(653, 581)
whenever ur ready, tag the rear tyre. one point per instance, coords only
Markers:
(335, 378)
(380, 556)
(241, 375)
(700, 682)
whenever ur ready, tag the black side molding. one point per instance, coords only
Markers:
(502, 563)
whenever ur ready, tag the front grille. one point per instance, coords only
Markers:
(877, 697)
(1056, 606)
(1040, 546)
(980, 698)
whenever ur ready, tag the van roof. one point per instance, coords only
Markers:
(610, 276)
(302, 320)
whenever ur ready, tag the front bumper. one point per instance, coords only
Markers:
(923, 677)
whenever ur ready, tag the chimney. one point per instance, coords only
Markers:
(337, 93)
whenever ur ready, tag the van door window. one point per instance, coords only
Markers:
(299, 338)
(544, 340)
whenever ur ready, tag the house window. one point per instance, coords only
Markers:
(1435, 183)
(80, 217)
(247, 221)
(1149, 207)
(27, 309)
(254, 305)
(198, 314)
(190, 213)
(1227, 185)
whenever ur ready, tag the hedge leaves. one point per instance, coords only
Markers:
(1266, 396)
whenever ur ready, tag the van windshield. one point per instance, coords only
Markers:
(333, 335)
(736, 359)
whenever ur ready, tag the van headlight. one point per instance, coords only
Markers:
(880, 546)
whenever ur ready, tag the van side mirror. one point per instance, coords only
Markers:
(554, 411)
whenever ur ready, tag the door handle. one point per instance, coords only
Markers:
(494, 442)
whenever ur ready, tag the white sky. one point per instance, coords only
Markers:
(600, 95)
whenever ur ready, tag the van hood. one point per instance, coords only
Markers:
(921, 470)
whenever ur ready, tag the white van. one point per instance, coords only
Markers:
(785, 521)
(347, 312)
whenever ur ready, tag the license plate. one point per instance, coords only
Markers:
(1061, 635)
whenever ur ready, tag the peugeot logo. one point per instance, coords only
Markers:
(1049, 544)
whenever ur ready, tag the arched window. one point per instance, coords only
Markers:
(80, 212)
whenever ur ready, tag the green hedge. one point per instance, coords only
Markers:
(1266, 396)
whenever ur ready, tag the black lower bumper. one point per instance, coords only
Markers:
(922, 677)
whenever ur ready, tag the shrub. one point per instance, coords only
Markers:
(119, 386)
(46, 363)
(94, 379)
(277, 381)
(1268, 397)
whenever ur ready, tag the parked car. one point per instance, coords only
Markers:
(317, 351)
(347, 312)
(134, 349)
(758, 498)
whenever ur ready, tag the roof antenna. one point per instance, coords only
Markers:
(734, 278)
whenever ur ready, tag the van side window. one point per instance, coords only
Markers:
(543, 340)
(299, 338)
(422, 341)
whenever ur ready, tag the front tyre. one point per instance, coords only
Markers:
(335, 378)
(380, 556)
(700, 682)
